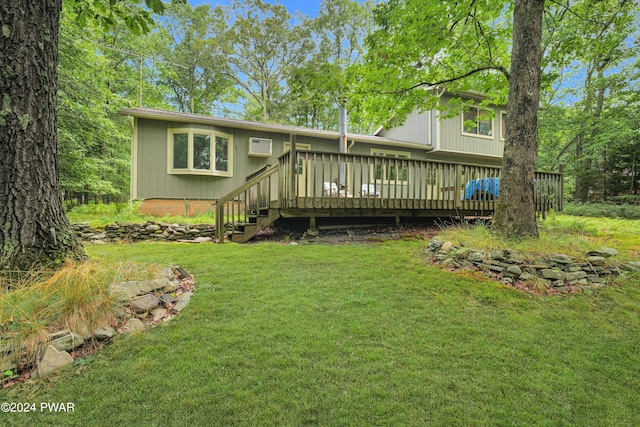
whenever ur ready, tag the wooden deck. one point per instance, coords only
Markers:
(318, 184)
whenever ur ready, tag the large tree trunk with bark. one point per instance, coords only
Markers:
(515, 211)
(34, 230)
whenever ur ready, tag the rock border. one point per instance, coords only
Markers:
(142, 304)
(139, 232)
(555, 274)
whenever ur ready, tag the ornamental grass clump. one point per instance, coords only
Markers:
(75, 297)
(80, 297)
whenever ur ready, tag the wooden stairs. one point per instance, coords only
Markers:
(246, 211)
(242, 232)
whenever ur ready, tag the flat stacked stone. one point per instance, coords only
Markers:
(150, 230)
(557, 270)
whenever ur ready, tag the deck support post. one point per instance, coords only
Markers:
(458, 186)
(293, 163)
(397, 220)
(312, 222)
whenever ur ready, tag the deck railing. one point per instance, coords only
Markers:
(320, 180)
(245, 202)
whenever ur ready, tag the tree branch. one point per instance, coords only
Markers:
(441, 82)
(571, 11)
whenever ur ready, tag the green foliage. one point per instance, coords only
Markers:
(603, 210)
(107, 13)
(418, 45)
(100, 215)
(262, 49)
(95, 82)
(93, 139)
(589, 57)
(338, 32)
(559, 233)
(193, 67)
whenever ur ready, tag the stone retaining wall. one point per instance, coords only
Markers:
(150, 230)
(557, 273)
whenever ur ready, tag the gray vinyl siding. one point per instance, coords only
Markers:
(446, 135)
(445, 156)
(365, 149)
(418, 128)
(153, 181)
(453, 140)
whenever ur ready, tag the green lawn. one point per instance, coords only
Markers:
(354, 335)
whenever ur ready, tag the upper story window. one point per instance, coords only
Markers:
(477, 122)
(503, 125)
(199, 152)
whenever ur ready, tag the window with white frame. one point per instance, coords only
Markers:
(432, 177)
(199, 152)
(302, 147)
(477, 122)
(391, 171)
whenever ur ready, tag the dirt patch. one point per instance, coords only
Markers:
(328, 233)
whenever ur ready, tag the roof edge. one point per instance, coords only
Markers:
(150, 113)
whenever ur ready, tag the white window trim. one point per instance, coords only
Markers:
(389, 154)
(299, 146)
(503, 119)
(478, 135)
(190, 170)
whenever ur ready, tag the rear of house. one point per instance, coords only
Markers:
(186, 161)
(432, 165)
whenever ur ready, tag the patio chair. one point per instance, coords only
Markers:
(369, 190)
(330, 189)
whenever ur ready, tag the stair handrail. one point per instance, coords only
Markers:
(222, 201)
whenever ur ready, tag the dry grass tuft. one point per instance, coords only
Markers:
(75, 297)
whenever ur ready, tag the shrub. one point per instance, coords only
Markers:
(603, 210)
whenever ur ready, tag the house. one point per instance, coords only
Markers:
(475, 135)
(253, 173)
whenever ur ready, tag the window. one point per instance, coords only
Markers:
(300, 147)
(391, 171)
(432, 176)
(222, 154)
(199, 152)
(180, 150)
(503, 125)
(476, 122)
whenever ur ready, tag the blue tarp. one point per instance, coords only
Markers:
(480, 188)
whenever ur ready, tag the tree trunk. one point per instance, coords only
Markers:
(515, 212)
(34, 230)
(582, 172)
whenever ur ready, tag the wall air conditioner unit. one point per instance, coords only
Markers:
(259, 147)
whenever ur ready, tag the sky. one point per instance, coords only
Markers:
(306, 7)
